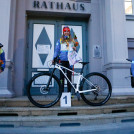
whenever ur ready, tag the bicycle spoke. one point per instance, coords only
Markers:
(42, 95)
(103, 89)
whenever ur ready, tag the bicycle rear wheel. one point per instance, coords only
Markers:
(101, 86)
(41, 96)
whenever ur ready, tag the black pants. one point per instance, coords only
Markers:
(69, 75)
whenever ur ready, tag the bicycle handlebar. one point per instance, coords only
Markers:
(56, 60)
(129, 60)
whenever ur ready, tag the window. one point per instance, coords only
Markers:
(130, 48)
(129, 6)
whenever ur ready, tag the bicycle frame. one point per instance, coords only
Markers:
(59, 67)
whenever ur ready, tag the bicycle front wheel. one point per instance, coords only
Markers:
(99, 89)
(39, 94)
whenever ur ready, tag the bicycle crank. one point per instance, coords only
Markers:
(78, 95)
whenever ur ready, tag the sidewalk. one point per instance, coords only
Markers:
(111, 128)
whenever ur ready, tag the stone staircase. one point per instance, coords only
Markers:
(19, 112)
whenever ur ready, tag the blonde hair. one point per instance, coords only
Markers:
(64, 40)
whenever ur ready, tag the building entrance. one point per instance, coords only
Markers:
(42, 37)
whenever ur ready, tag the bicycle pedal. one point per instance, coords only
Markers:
(78, 96)
(72, 96)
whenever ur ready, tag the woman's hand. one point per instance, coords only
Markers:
(74, 48)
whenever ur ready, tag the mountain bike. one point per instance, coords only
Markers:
(94, 88)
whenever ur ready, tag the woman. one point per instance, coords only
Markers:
(63, 46)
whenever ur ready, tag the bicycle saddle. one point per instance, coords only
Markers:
(84, 63)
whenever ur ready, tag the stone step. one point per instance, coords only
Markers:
(74, 110)
(107, 128)
(24, 102)
(62, 121)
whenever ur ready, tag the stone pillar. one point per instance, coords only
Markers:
(6, 31)
(116, 49)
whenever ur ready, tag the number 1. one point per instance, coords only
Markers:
(65, 99)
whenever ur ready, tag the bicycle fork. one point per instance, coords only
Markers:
(50, 79)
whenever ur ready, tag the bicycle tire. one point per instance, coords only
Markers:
(37, 93)
(102, 83)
